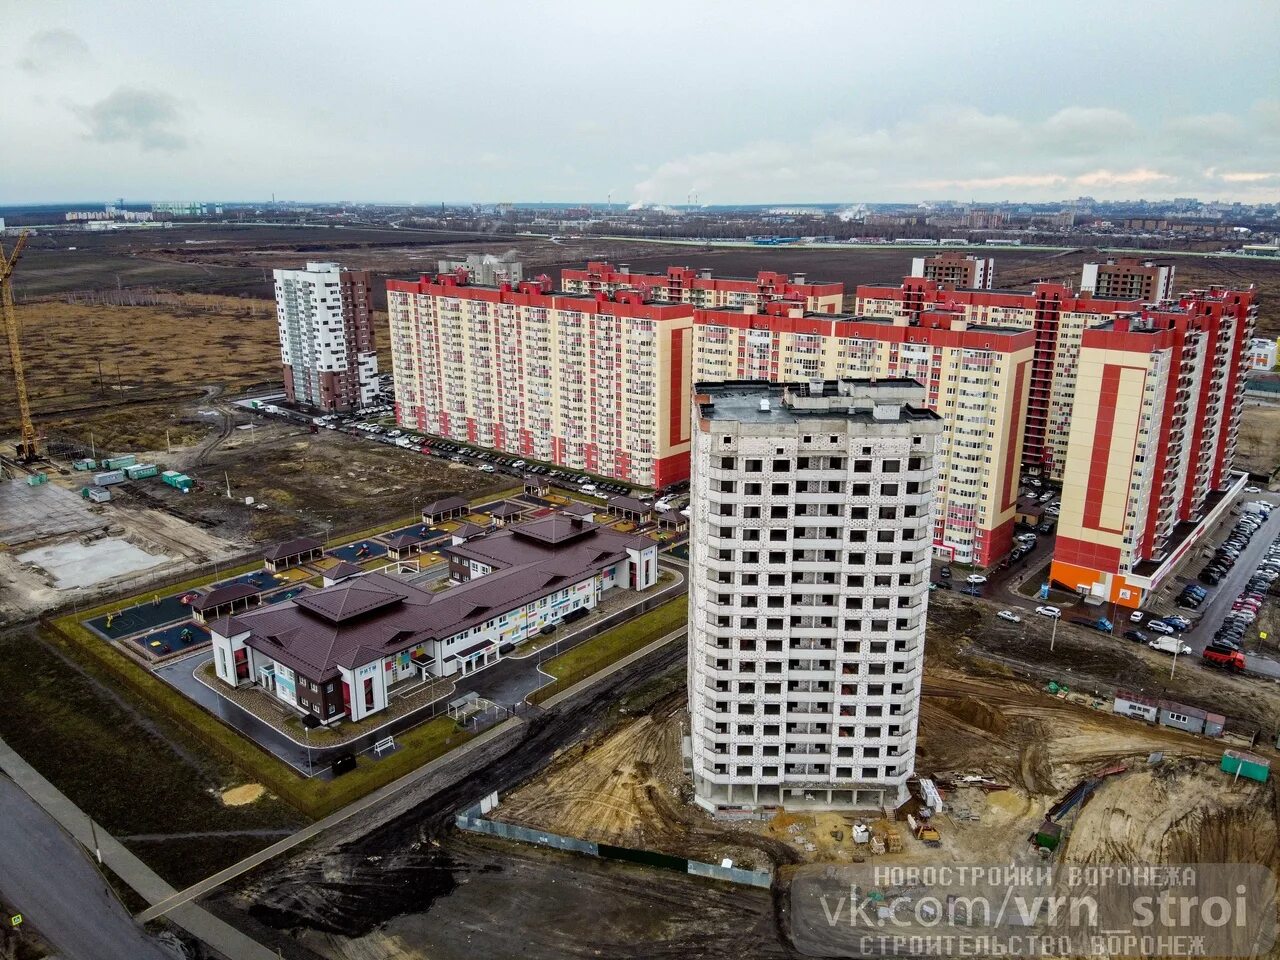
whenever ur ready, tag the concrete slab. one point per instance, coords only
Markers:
(81, 565)
(39, 513)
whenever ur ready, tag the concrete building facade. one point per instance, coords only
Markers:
(1129, 278)
(962, 271)
(808, 591)
(327, 349)
(485, 270)
(976, 376)
(1261, 354)
(1152, 442)
(701, 288)
(595, 383)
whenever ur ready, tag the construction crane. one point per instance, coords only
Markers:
(27, 445)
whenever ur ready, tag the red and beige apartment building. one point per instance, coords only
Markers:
(1129, 278)
(598, 383)
(701, 288)
(1153, 437)
(1053, 312)
(976, 376)
(963, 271)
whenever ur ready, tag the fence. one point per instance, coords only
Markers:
(472, 821)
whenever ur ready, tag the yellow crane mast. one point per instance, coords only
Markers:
(26, 447)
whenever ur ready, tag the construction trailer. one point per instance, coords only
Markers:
(96, 494)
(1240, 764)
(108, 478)
(141, 471)
(119, 463)
(179, 481)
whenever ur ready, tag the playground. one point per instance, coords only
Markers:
(355, 552)
(141, 617)
(175, 638)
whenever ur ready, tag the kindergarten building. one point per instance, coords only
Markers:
(342, 652)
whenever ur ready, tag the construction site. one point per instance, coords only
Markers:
(1025, 751)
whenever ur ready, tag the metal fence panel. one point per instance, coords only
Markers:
(752, 878)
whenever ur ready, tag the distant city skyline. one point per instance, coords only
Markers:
(873, 101)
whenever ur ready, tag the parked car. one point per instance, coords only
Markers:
(1137, 635)
(1136, 616)
(945, 573)
(940, 585)
(1047, 611)
(1159, 626)
(1178, 622)
(976, 578)
(1009, 615)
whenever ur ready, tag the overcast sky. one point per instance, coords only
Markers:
(742, 102)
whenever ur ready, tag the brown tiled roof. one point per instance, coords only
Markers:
(629, 505)
(505, 511)
(565, 543)
(576, 509)
(349, 600)
(292, 548)
(216, 598)
(351, 624)
(445, 505)
(343, 570)
(402, 540)
(468, 530)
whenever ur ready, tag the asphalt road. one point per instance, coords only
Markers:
(1224, 594)
(45, 875)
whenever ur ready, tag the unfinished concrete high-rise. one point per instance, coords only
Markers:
(326, 336)
(808, 587)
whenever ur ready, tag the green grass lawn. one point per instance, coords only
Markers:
(122, 762)
(611, 646)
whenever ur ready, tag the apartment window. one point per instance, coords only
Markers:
(782, 466)
(891, 466)
(755, 466)
(728, 463)
(780, 489)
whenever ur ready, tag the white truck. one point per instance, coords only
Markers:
(1169, 645)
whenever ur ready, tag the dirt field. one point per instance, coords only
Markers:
(1258, 449)
(627, 787)
(94, 363)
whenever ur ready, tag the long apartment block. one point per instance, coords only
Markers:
(325, 317)
(701, 288)
(1153, 437)
(1057, 316)
(976, 376)
(596, 383)
(808, 591)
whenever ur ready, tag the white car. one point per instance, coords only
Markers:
(1159, 626)
(488, 468)
(1252, 489)
(1136, 616)
(975, 578)
(1052, 612)
(1033, 482)
(1009, 615)
(587, 488)
(518, 463)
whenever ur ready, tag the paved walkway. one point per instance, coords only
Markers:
(195, 920)
(45, 876)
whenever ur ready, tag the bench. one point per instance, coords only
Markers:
(382, 746)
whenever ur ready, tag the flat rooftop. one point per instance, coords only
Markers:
(883, 400)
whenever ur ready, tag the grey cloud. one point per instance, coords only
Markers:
(52, 50)
(133, 115)
(964, 152)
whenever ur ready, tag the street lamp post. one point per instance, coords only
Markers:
(1053, 636)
